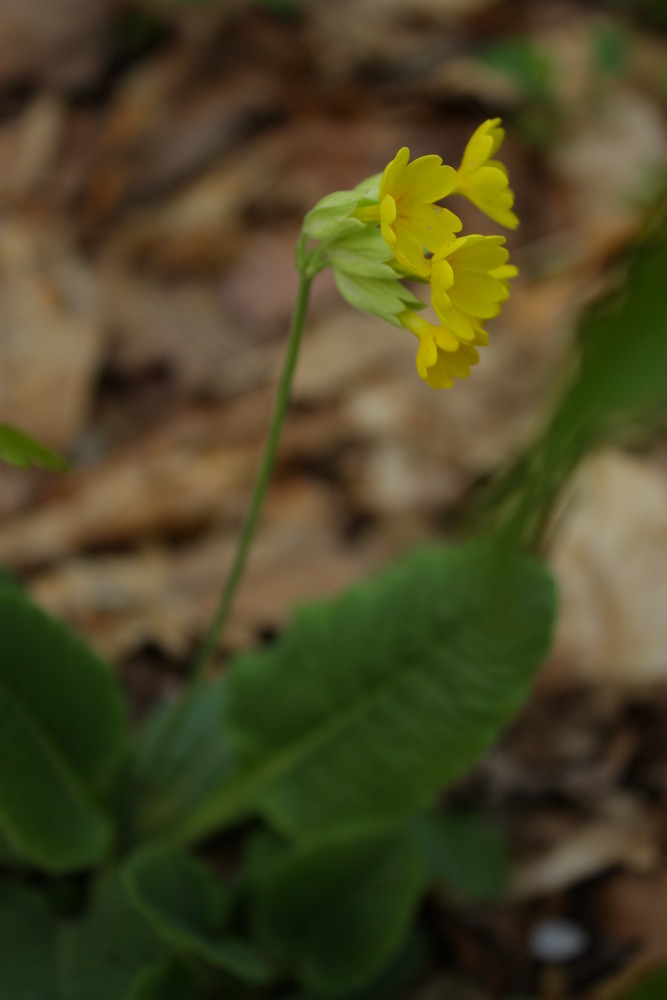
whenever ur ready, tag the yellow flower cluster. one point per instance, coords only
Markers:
(468, 275)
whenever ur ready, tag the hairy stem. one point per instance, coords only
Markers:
(217, 626)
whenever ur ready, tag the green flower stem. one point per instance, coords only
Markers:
(217, 626)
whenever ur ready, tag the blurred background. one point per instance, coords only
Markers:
(156, 160)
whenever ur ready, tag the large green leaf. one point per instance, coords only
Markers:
(7, 579)
(372, 703)
(61, 733)
(189, 907)
(168, 980)
(27, 945)
(396, 978)
(19, 449)
(337, 909)
(180, 756)
(108, 952)
(653, 986)
(465, 852)
(623, 367)
(619, 378)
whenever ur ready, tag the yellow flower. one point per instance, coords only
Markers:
(484, 181)
(409, 219)
(441, 357)
(469, 282)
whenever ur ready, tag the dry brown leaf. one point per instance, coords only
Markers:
(185, 327)
(143, 492)
(625, 836)
(195, 230)
(29, 148)
(122, 603)
(51, 335)
(610, 558)
(632, 910)
(61, 43)
(354, 33)
(608, 162)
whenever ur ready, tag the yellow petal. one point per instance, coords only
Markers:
(427, 355)
(462, 325)
(440, 226)
(502, 215)
(409, 250)
(441, 302)
(426, 180)
(439, 378)
(460, 363)
(483, 143)
(387, 219)
(497, 134)
(393, 171)
(505, 272)
(442, 274)
(446, 340)
(478, 295)
(480, 254)
(440, 375)
(478, 150)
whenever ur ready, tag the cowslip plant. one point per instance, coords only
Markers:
(384, 232)
(323, 756)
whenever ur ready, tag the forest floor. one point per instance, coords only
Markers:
(156, 161)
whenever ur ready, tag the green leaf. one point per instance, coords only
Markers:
(351, 263)
(19, 449)
(397, 976)
(336, 910)
(394, 980)
(623, 364)
(61, 733)
(373, 702)
(619, 379)
(611, 48)
(181, 756)
(366, 280)
(369, 242)
(525, 63)
(364, 254)
(465, 852)
(283, 8)
(27, 944)
(377, 296)
(7, 579)
(330, 218)
(652, 987)
(652, 12)
(105, 954)
(168, 980)
(189, 908)
(370, 187)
